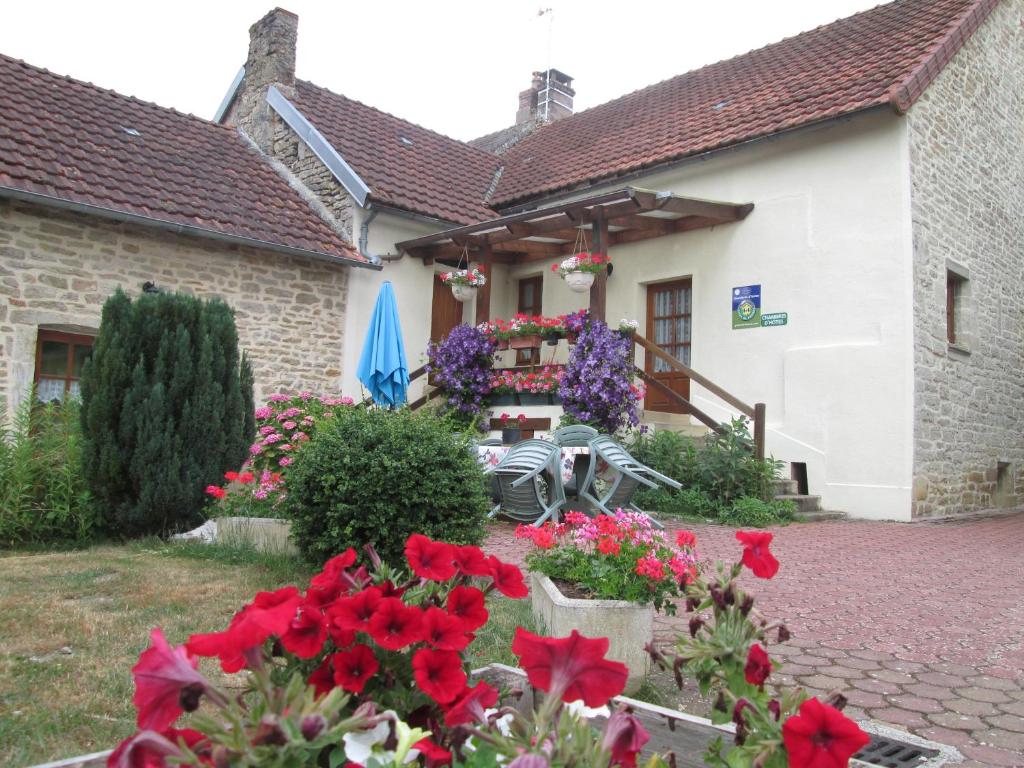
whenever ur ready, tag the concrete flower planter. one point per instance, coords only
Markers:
(265, 534)
(628, 626)
(579, 282)
(464, 293)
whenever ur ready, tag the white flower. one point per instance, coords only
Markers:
(503, 723)
(359, 744)
(579, 709)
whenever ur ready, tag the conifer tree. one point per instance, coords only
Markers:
(166, 409)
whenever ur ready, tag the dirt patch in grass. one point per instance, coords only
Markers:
(73, 623)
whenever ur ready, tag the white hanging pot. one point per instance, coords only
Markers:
(463, 292)
(579, 282)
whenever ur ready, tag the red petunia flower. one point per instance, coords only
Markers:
(571, 667)
(756, 555)
(353, 613)
(686, 539)
(428, 559)
(624, 737)
(444, 631)
(394, 625)
(471, 561)
(231, 476)
(608, 546)
(758, 665)
(508, 579)
(306, 634)
(147, 749)
(330, 574)
(439, 674)
(352, 668)
(821, 736)
(434, 754)
(269, 614)
(469, 706)
(467, 605)
(245, 478)
(216, 491)
(161, 675)
(322, 678)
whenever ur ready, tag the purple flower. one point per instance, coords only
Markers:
(597, 388)
(461, 364)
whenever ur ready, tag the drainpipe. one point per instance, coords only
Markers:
(364, 235)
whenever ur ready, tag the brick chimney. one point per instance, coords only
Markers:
(548, 98)
(271, 61)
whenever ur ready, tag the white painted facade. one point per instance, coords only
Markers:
(829, 241)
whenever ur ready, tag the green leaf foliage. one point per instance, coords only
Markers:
(166, 409)
(43, 496)
(374, 477)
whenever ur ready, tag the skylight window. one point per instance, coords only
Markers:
(130, 131)
(405, 140)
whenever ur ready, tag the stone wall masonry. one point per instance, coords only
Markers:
(967, 188)
(58, 268)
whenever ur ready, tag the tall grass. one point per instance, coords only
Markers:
(43, 497)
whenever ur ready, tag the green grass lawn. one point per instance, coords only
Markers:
(73, 623)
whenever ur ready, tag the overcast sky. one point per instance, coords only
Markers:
(452, 66)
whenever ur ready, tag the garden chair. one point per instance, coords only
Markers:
(630, 474)
(576, 436)
(519, 477)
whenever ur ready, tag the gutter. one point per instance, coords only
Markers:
(178, 229)
(364, 234)
(543, 198)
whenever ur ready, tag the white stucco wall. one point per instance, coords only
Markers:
(829, 241)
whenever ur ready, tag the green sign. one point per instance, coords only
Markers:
(774, 318)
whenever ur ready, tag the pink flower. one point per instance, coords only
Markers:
(267, 430)
(285, 447)
(346, 400)
(650, 567)
(285, 461)
(264, 412)
(255, 448)
(271, 439)
(289, 425)
(279, 398)
(305, 395)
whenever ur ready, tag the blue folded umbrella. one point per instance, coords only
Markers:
(382, 366)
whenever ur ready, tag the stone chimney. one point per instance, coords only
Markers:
(271, 61)
(548, 98)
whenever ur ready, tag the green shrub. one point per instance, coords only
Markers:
(751, 512)
(43, 496)
(165, 401)
(374, 477)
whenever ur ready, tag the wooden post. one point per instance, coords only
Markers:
(759, 412)
(599, 245)
(483, 294)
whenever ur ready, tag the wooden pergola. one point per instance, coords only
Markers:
(626, 215)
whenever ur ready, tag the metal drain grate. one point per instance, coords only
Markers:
(892, 753)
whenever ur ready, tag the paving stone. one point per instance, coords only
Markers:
(983, 694)
(864, 699)
(970, 707)
(915, 704)
(994, 683)
(956, 721)
(823, 682)
(899, 717)
(951, 668)
(1002, 739)
(1012, 707)
(871, 655)
(861, 664)
(992, 756)
(946, 736)
(1013, 723)
(889, 676)
(940, 678)
(929, 691)
(876, 686)
(898, 665)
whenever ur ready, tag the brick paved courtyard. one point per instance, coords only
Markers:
(920, 625)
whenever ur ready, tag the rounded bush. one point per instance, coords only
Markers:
(374, 477)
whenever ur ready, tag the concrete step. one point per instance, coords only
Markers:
(781, 485)
(822, 514)
(804, 504)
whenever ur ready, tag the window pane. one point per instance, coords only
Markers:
(75, 391)
(81, 354)
(662, 332)
(687, 295)
(48, 390)
(53, 361)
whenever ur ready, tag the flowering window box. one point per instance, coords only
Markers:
(531, 341)
(534, 398)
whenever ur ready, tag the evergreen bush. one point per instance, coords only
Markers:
(43, 496)
(374, 477)
(166, 409)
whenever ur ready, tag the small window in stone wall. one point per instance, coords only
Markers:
(955, 291)
(60, 358)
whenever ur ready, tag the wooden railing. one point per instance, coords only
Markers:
(756, 412)
(418, 401)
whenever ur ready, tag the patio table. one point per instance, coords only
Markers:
(491, 455)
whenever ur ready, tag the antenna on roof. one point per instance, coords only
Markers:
(550, 13)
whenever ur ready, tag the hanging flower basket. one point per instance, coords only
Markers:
(464, 282)
(464, 292)
(579, 282)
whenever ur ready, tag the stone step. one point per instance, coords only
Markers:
(822, 514)
(804, 504)
(782, 485)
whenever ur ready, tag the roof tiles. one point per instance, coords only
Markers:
(871, 59)
(70, 140)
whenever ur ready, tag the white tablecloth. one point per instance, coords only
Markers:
(490, 455)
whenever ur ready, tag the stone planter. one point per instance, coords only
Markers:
(265, 534)
(579, 282)
(464, 292)
(628, 626)
(533, 341)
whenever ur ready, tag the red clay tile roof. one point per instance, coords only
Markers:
(73, 141)
(884, 56)
(433, 175)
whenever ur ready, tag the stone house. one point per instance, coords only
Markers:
(861, 183)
